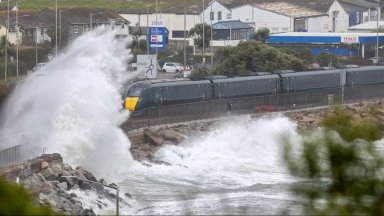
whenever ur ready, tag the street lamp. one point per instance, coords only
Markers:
(60, 26)
(56, 30)
(17, 41)
(90, 18)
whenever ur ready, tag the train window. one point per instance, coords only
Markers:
(187, 92)
(135, 90)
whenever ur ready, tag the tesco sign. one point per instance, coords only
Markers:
(349, 39)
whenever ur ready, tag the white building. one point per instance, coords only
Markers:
(277, 16)
(215, 12)
(172, 21)
(367, 27)
(346, 13)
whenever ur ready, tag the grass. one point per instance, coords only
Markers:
(117, 5)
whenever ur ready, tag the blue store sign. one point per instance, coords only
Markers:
(157, 38)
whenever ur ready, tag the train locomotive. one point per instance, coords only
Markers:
(151, 93)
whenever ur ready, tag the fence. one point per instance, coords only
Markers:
(19, 153)
(250, 105)
(216, 108)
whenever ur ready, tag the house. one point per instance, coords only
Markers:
(215, 12)
(74, 22)
(33, 28)
(346, 13)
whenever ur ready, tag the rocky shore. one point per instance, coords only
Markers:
(145, 145)
(57, 185)
(61, 187)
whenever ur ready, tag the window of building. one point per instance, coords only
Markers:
(76, 29)
(179, 34)
(219, 15)
(212, 15)
(274, 29)
(41, 31)
(229, 16)
(86, 28)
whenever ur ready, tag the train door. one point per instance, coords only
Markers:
(158, 95)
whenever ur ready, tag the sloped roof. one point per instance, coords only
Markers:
(233, 24)
(359, 3)
(26, 19)
(289, 9)
(82, 15)
(370, 25)
(317, 5)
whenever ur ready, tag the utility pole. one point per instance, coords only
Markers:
(377, 32)
(185, 33)
(36, 56)
(203, 34)
(6, 44)
(147, 30)
(17, 42)
(156, 29)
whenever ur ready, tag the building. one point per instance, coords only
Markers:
(74, 22)
(277, 16)
(178, 21)
(346, 13)
(367, 27)
(33, 28)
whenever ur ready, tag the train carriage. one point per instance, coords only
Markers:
(145, 94)
(368, 75)
(310, 80)
(245, 86)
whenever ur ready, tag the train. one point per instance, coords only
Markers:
(152, 93)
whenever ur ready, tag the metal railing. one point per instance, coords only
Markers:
(250, 105)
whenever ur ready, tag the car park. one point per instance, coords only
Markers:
(172, 67)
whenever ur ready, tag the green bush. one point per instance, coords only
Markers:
(14, 200)
(341, 169)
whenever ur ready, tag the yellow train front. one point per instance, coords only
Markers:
(153, 93)
(133, 101)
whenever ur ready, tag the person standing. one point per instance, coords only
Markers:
(229, 108)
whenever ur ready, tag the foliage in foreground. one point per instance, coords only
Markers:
(14, 200)
(343, 166)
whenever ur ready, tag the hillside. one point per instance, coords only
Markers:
(118, 5)
(140, 6)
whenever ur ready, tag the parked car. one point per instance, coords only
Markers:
(38, 66)
(172, 67)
